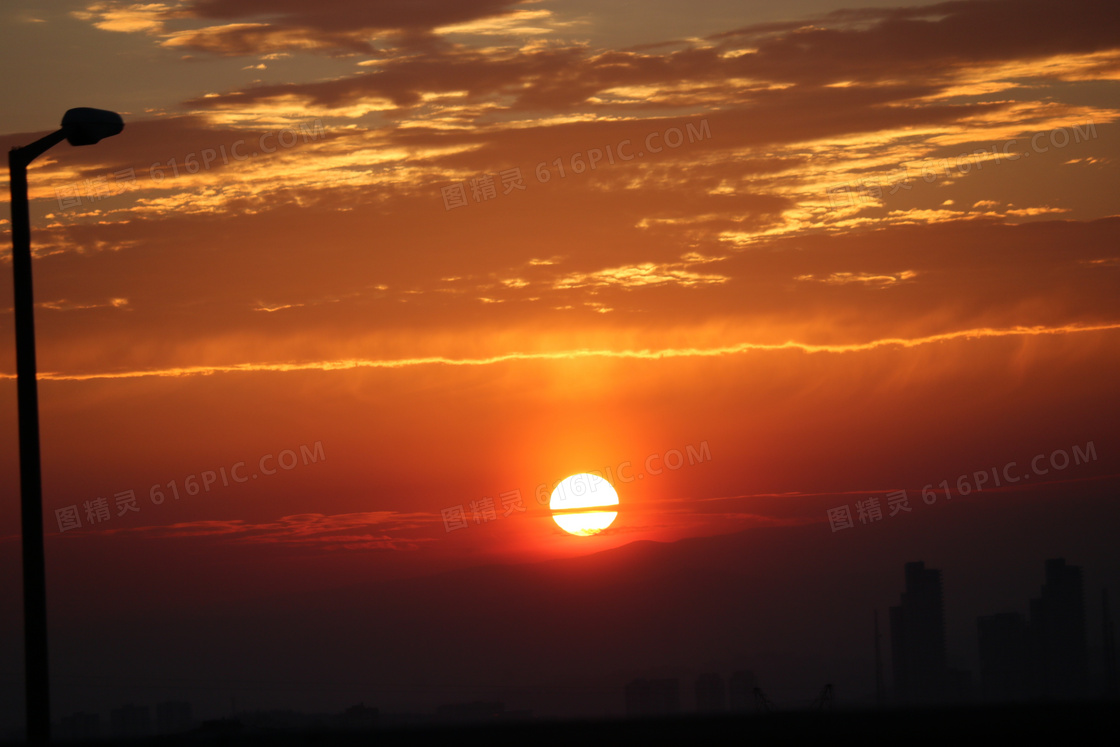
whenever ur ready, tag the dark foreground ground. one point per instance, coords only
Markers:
(1073, 723)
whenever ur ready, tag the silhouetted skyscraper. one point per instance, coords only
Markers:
(918, 637)
(1058, 632)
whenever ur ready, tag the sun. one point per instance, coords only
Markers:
(573, 497)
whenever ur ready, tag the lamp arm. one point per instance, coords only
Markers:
(29, 153)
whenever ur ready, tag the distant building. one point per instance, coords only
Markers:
(1108, 647)
(130, 721)
(653, 697)
(80, 726)
(958, 686)
(710, 693)
(918, 638)
(1058, 632)
(1045, 656)
(1005, 652)
(173, 717)
(470, 712)
(280, 718)
(358, 717)
(740, 691)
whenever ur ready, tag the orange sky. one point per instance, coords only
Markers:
(804, 263)
(882, 254)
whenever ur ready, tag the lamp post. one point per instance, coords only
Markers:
(81, 126)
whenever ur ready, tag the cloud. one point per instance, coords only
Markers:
(373, 530)
(920, 42)
(127, 17)
(844, 278)
(249, 27)
(937, 47)
(636, 276)
(731, 236)
(63, 304)
(337, 15)
(241, 39)
(577, 354)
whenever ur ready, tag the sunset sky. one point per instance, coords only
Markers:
(445, 253)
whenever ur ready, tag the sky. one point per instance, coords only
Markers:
(359, 282)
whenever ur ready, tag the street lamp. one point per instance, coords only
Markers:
(80, 126)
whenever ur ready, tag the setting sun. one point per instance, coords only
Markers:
(574, 495)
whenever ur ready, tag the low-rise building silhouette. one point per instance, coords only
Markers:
(1005, 653)
(130, 721)
(358, 717)
(173, 717)
(710, 693)
(80, 725)
(653, 697)
(740, 691)
(478, 711)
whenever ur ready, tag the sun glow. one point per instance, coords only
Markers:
(574, 495)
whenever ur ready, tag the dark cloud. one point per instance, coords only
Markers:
(922, 46)
(347, 15)
(928, 41)
(335, 26)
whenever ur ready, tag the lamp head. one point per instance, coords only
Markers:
(85, 126)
